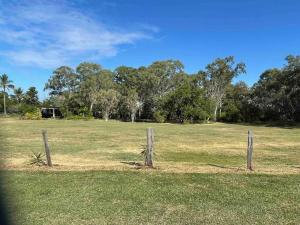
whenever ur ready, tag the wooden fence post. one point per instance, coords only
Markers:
(47, 150)
(150, 148)
(250, 150)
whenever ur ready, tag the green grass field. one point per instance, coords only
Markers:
(199, 175)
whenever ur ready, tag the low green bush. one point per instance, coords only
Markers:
(25, 108)
(159, 117)
(33, 115)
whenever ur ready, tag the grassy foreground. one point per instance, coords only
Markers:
(200, 175)
(99, 145)
(114, 197)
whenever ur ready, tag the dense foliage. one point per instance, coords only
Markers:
(162, 92)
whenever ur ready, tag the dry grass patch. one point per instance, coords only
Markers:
(99, 145)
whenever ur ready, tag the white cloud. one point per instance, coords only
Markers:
(47, 34)
(45, 59)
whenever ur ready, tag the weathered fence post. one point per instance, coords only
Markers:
(150, 148)
(47, 150)
(250, 150)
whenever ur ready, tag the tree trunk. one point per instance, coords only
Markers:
(132, 117)
(106, 116)
(91, 107)
(220, 109)
(4, 102)
(215, 113)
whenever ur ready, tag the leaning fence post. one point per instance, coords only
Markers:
(250, 150)
(150, 148)
(47, 150)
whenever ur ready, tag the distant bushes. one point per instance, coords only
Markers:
(163, 91)
(159, 117)
(33, 115)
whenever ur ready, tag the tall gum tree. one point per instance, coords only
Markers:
(216, 78)
(63, 83)
(107, 100)
(128, 83)
(89, 75)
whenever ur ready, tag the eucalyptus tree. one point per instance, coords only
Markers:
(108, 97)
(5, 84)
(277, 93)
(186, 102)
(163, 73)
(93, 84)
(132, 103)
(156, 81)
(127, 77)
(87, 69)
(291, 88)
(128, 83)
(89, 90)
(236, 103)
(108, 101)
(89, 78)
(216, 78)
(64, 83)
(266, 95)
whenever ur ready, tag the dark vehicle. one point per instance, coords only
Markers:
(53, 112)
(97, 115)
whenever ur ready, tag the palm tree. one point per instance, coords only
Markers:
(18, 94)
(6, 84)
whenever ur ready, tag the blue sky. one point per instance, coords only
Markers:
(38, 36)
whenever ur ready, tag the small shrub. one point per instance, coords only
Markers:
(37, 159)
(34, 115)
(25, 108)
(194, 115)
(159, 117)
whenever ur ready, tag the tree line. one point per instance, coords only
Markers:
(163, 91)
